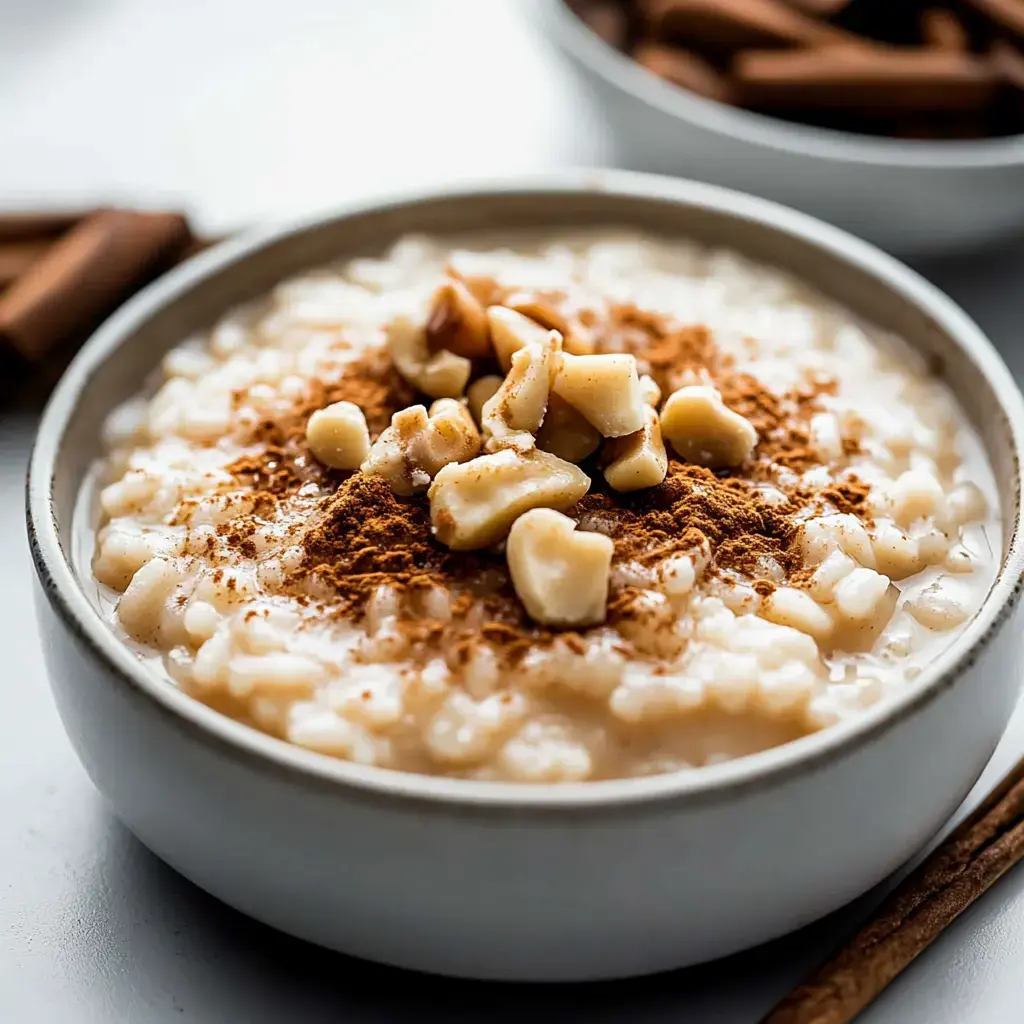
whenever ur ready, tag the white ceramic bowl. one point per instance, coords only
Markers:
(492, 880)
(909, 197)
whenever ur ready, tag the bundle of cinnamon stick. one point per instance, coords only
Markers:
(61, 274)
(907, 68)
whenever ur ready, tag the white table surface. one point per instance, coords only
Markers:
(248, 110)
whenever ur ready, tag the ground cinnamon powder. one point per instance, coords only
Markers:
(691, 507)
(361, 536)
(365, 537)
(675, 355)
(284, 464)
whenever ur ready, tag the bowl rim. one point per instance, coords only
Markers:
(245, 744)
(762, 129)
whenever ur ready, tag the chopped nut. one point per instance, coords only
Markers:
(444, 375)
(417, 446)
(559, 573)
(390, 456)
(519, 405)
(650, 390)
(479, 391)
(451, 406)
(703, 430)
(407, 345)
(638, 460)
(485, 288)
(511, 331)
(337, 436)
(579, 344)
(451, 436)
(566, 433)
(605, 389)
(546, 315)
(458, 322)
(473, 505)
(537, 310)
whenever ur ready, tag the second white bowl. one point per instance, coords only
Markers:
(909, 197)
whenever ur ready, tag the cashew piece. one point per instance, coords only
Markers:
(474, 504)
(444, 375)
(458, 322)
(559, 573)
(605, 389)
(511, 331)
(417, 446)
(338, 436)
(703, 430)
(566, 433)
(638, 460)
(519, 405)
(391, 455)
(479, 391)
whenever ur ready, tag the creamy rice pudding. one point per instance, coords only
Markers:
(583, 508)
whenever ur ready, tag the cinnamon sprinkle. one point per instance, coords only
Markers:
(284, 464)
(691, 507)
(360, 536)
(672, 355)
(366, 537)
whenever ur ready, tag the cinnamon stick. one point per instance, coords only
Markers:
(927, 67)
(865, 80)
(685, 69)
(85, 275)
(943, 30)
(734, 24)
(17, 227)
(1008, 14)
(17, 257)
(976, 855)
(1008, 62)
(606, 18)
(820, 8)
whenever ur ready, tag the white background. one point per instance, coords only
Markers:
(242, 112)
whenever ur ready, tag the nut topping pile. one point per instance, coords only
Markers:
(497, 455)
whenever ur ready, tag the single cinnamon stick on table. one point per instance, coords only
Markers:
(977, 854)
(85, 275)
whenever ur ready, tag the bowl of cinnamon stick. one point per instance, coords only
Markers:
(903, 123)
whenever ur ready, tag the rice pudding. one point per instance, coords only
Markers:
(573, 509)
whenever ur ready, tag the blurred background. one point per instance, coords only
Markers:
(243, 112)
(239, 111)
